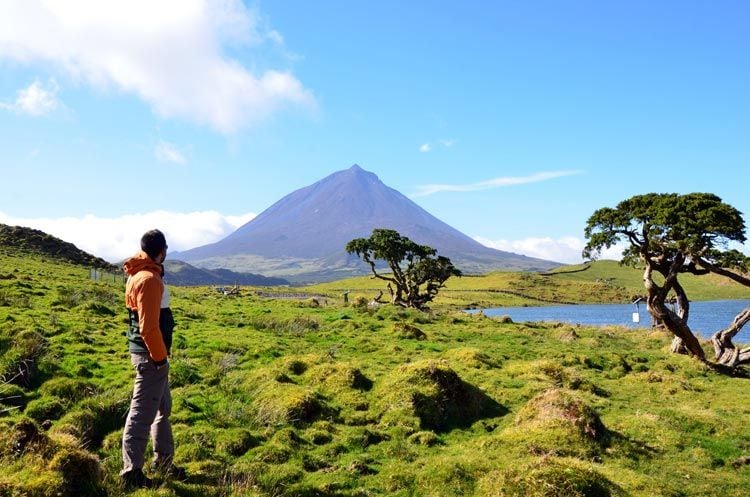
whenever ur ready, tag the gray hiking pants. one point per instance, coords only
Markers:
(149, 412)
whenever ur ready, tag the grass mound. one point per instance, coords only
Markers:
(546, 478)
(337, 377)
(472, 357)
(556, 422)
(70, 389)
(281, 402)
(408, 332)
(93, 419)
(80, 470)
(432, 394)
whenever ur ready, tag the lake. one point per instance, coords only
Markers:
(705, 317)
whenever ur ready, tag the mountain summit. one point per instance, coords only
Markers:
(302, 236)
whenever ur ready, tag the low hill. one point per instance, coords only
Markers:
(18, 239)
(289, 398)
(183, 274)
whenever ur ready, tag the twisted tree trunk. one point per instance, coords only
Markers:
(684, 342)
(726, 353)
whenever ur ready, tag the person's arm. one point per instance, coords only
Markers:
(148, 300)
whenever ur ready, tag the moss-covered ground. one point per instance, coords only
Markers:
(311, 397)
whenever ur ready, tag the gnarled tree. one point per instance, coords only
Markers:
(417, 273)
(675, 234)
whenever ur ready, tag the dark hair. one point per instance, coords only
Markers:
(153, 242)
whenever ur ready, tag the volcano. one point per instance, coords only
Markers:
(302, 236)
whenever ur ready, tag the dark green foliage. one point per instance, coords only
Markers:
(672, 234)
(416, 272)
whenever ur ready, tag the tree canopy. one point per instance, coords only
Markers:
(416, 271)
(673, 234)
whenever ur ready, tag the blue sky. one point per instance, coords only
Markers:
(511, 121)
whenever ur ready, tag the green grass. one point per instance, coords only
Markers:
(285, 397)
(598, 282)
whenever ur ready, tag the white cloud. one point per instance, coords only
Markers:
(169, 152)
(171, 54)
(36, 99)
(566, 249)
(424, 190)
(115, 239)
(275, 37)
(427, 147)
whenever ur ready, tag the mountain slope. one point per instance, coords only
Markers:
(302, 236)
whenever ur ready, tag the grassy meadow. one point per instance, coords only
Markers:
(311, 397)
(598, 282)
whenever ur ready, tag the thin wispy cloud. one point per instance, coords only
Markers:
(116, 238)
(169, 152)
(430, 189)
(427, 146)
(175, 55)
(37, 99)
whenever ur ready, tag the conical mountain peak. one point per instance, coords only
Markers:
(303, 235)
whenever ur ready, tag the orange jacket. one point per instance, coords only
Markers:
(143, 294)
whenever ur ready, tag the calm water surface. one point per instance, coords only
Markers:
(705, 317)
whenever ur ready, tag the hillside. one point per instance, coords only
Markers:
(280, 397)
(183, 274)
(302, 236)
(18, 239)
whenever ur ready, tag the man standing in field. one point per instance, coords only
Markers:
(151, 404)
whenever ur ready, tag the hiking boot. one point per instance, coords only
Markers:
(169, 470)
(135, 479)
